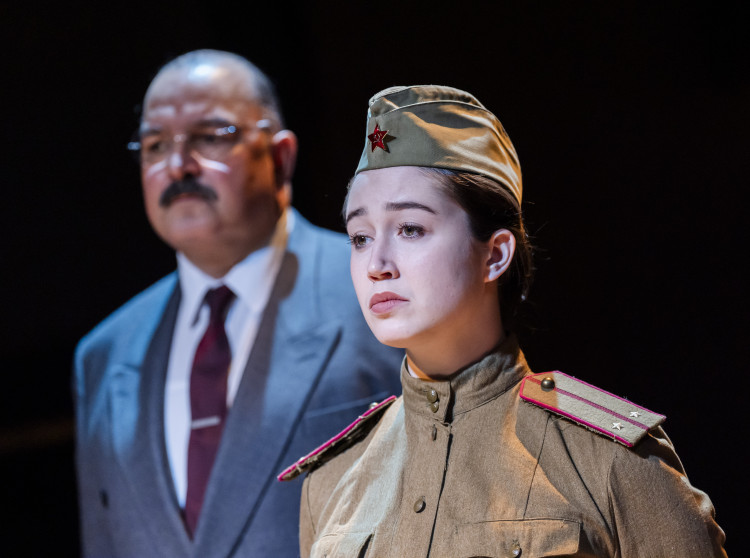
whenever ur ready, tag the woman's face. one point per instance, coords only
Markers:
(422, 280)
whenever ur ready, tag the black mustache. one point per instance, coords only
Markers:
(188, 185)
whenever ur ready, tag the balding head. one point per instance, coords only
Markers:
(228, 75)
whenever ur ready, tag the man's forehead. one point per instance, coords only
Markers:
(220, 90)
(188, 112)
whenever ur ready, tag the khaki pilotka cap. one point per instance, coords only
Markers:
(438, 126)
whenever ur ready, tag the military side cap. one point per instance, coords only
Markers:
(589, 406)
(442, 127)
(341, 441)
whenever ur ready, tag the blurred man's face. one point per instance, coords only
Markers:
(207, 167)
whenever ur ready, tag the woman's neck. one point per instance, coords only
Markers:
(436, 364)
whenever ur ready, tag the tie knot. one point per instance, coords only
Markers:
(218, 300)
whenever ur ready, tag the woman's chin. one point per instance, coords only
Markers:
(396, 344)
(391, 339)
(401, 335)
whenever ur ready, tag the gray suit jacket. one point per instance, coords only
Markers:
(314, 367)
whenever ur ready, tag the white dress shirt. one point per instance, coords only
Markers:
(251, 280)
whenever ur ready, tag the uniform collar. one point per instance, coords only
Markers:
(469, 387)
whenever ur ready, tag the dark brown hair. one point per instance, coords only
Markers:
(490, 207)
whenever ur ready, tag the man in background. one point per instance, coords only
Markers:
(194, 394)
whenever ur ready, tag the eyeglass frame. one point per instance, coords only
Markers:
(136, 145)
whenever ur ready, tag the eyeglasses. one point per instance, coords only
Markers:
(207, 140)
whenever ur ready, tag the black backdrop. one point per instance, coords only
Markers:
(630, 121)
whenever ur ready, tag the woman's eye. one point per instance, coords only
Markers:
(409, 230)
(357, 240)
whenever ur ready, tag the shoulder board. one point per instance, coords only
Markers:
(341, 441)
(589, 406)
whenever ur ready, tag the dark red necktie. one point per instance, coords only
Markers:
(208, 402)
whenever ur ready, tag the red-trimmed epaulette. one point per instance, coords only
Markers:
(341, 441)
(589, 406)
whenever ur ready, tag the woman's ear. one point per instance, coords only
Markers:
(502, 246)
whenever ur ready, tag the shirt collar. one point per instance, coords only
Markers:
(250, 279)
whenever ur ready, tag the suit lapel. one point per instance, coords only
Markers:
(138, 406)
(288, 357)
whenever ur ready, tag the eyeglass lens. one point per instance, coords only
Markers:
(210, 142)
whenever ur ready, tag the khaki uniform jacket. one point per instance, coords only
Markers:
(479, 472)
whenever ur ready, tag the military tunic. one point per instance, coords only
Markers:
(464, 468)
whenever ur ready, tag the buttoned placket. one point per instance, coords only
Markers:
(429, 440)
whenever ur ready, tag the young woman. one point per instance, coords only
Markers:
(476, 459)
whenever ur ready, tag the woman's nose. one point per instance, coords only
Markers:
(382, 265)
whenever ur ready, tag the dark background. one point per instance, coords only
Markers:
(631, 123)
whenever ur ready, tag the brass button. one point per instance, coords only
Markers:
(434, 431)
(434, 407)
(548, 384)
(515, 550)
(419, 505)
(432, 396)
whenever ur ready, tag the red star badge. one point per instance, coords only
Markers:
(377, 137)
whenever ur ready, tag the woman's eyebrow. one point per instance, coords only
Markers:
(398, 206)
(355, 213)
(391, 206)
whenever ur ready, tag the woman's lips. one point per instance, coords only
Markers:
(382, 303)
